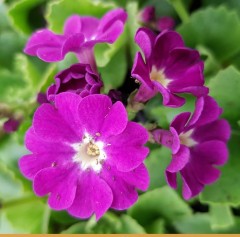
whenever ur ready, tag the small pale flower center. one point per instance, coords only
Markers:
(159, 76)
(93, 150)
(89, 153)
(185, 139)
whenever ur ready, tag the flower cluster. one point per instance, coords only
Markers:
(85, 153)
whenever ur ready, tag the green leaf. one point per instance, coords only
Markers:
(226, 189)
(221, 216)
(113, 74)
(29, 215)
(105, 52)
(211, 25)
(132, 26)
(156, 164)
(196, 224)
(211, 65)
(6, 227)
(233, 4)
(157, 227)
(19, 14)
(10, 43)
(200, 224)
(108, 224)
(129, 226)
(58, 11)
(4, 23)
(163, 202)
(11, 187)
(225, 88)
(9, 82)
(162, 115)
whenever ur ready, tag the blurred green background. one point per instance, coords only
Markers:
(211, 26)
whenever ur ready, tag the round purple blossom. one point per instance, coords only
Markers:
(169, 68)
(80, 35)
(79, 79)
(198, 145)
(86, 155)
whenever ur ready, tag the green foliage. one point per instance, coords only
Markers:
(226, 189)
(211, 25)
(159, 203)
(108, 224)
(58, 11)
(156, 163)
(19, 14)
(212, 29)
(225, 88)
(221, 216)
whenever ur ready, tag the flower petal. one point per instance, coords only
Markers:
(93, 196)
(61, 183)
(124, 194)
(179, 160)
(140, 71)
(212, 152)
(37, 145)
(43, 39)
(115, 121)
(206, 111)
(164, 44)
(180, 121)
(191, 186)
(92, 111)
(217, 130)
(67, 104)
(126, 150)
(145, 39)
(49, 125)
(111, 17)
(171, 179)
(179, 61)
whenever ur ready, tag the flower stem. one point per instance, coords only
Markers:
(180, 9)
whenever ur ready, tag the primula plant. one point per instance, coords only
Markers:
(119, 116)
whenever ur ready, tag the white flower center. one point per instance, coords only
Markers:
(159, 76)
(185, 139)
(89, 154)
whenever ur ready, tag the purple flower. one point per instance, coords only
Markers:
(79, 79)
(198, 145)
(80, 35)
(165, 23)
(11, 125)
(147, 15)
(42, 98)
(169, 68)
(86, 155)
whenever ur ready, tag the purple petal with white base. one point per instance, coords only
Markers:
(202, 138)
(169, 68)
(86, 155)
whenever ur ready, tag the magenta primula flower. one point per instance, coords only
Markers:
(86, 155)
(198, 145)
(80, 35)
(79, 79)
(169, 68)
